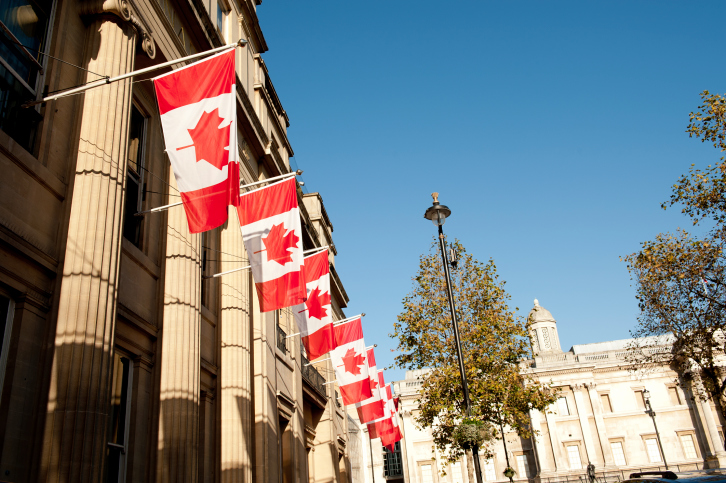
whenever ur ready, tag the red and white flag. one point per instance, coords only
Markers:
(315, 317)
(386, 428)
(384, 423)
(372, 408)
(269, 218)
(349, 361)
(197, 106)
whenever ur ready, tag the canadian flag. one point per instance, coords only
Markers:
(349, 361)
(314, 317)
(197, 106)
(386, 428)
(372, 408)
(269, 218)
(384, 423)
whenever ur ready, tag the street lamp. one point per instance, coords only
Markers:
(438, 213)
(649, 411)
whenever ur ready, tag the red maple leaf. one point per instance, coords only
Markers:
(210, 139)
(277, 245)
(315, 303)
(374, 384)
(351, 361)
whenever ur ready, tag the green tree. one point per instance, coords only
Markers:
(494, 343)
(680, 278)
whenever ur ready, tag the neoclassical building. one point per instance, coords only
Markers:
(119, 359)
(600, 418)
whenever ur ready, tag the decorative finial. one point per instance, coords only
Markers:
(435, 196)
(536, 303)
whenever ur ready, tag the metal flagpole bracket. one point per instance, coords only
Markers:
(349, 319)
(166, 207)
(274, 178)
(228, 271)
(109, 80)
(315, 362)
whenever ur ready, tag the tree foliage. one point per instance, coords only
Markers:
(680, 277)
(493, 341)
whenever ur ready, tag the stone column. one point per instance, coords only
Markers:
(74, 445)
(555, 442)
(600, 424)
(584, 423)
(543, 463)
(177, 458)
(266, 428)
(235, 370)
(716, 456)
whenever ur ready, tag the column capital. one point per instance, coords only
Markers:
(123, 10)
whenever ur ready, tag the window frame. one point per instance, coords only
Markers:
(5, 348)
(621, 442)
(491, 462)
(603, 397)
(124, 454)
(694, 441)
(652, 437)
(139, 177)
(567, 406)
(573, 444)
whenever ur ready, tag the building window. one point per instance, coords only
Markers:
(135, 178)
(640, 399)
(523, 466)
(618, 453)
(221, 16)
(427, 475)
(562, 406)
(573, 454)
(675, 397)
(606, 406)
(20, 76)
(653, 451)
(392, 462)
(689, 449)
(490, 472)
(118, 434)
(7, 311)
(456, 474)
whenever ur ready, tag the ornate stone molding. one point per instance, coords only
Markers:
(122, 9)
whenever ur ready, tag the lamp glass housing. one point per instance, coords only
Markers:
(646, 394)
(439, 218)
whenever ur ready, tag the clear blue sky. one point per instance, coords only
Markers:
(553, 130)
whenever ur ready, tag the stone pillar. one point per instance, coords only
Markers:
(177, 458)
(543, 463)
(266, 424)
(600, 424)
(235, 370)
(555, 442)
(74, 445)
(584, 423)
(716, 457)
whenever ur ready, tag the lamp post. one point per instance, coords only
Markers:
(508, 471)
(649, 411)
(438, 213)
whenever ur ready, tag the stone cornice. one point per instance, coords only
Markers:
(250, 18)
(124, 11)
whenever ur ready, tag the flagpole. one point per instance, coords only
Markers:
(109, 80)
(315, 362)
(349, 319)
(246, 268)
(166, 207)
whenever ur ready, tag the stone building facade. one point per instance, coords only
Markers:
(600, 418)
(119, 361)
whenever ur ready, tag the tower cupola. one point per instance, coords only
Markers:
(542, 329)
